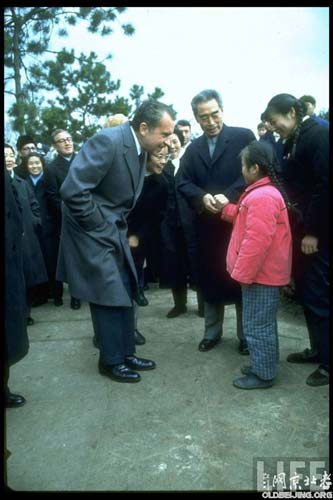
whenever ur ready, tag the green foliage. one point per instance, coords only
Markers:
(69, 91)
(28, 32)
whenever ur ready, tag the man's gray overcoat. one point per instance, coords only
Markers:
(102, 186)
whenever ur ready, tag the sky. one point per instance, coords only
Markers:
(248, 54)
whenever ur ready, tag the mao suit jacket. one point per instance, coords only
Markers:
(101, 188)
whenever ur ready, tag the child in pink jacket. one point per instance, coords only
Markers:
(259, 258)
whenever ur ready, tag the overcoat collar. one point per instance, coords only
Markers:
(221, 144)
(132, 159)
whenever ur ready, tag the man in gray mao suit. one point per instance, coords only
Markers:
(101, 188)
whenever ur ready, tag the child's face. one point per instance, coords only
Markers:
(250, 173)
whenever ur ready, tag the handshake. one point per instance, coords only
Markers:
(215, 203)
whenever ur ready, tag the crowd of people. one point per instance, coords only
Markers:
(229, 216)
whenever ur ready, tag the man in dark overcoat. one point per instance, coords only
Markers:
(54, 175)
(101, 188)
(211, 166)
(16, 336)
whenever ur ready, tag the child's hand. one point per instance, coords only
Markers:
(221, 200)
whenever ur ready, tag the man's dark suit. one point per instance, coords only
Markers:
(54, 175)
(200, 174)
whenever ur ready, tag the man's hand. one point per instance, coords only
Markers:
(221, 201)
(309, 244)
(210, 204)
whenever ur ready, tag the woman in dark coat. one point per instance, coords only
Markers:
(33, 261)
(16, 337)
(34, 166)
(305, 168)
(178, 262)
(144, 221)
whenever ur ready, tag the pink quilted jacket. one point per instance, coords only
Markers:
(260, 245)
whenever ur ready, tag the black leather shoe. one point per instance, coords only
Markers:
(176, 311)
(139, 338)
(243, 347)
(30, 321)
(305, 356)
(75, 303)
(139, 363)
(318, 377)
(119, 373)
(208, 344)
(58, 302)
(14, 400)
(140, 298)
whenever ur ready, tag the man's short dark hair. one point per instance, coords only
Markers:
(205, 96)
(183, 123)
(180, 136)
(23, 140)
(150, 112)
(308, 98)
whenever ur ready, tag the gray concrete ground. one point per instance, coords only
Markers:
(183, 427)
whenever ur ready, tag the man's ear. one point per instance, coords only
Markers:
(143, 128)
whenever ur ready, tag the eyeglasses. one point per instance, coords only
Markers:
(65, 139)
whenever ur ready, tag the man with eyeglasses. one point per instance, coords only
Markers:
(54, 175)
